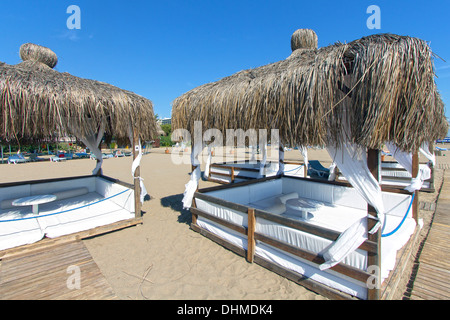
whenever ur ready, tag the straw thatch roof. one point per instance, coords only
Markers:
(38, 102)
(381, 87)
(159, 130)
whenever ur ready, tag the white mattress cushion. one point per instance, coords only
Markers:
(79, 213)
(23, 230)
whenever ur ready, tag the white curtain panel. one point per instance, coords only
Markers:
(253, 153)
(208, 161)
(263, 162)
(136, 163)
(405, 160)
(332, 169)
(425, 149)
(304, 152)
(347, 242)
(351, 160)
(192, 185)
(93, 141)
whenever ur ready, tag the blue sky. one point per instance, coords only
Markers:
(162, 49)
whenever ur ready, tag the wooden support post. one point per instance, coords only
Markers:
(374, 259)
(432, 176)
(99, 172)
(251, 235)
(137, 173)
(194, 216)
(281, 159)
(415, 171)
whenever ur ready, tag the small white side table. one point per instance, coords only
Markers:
(34, 201)
(304, 206)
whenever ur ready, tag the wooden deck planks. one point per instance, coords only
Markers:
(428, 206)
(432, 280)
(43, 275)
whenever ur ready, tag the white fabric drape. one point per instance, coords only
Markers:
(208, 161)
(425, 149)
(347, 242)
(263, 161)
(332, 169)
(304, 152)
(417, 182)
(351, 160)
(196, 174)
(405, 160)
(92, 141)
(136, 163)
(253, 154)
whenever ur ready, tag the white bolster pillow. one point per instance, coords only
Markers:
(276, 209)
(7, 204)
(61, 195)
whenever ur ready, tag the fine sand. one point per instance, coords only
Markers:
(163, 258)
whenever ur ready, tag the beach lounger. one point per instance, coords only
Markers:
(57, 159)
(315, 168)
(17, 158)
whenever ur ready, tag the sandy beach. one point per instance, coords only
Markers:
(162, 258)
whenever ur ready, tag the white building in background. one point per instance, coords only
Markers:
(164, 121)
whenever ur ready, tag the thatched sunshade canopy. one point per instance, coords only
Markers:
(381, 87)
(38, 102)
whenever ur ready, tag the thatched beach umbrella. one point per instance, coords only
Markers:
(372, 91)
(376, 89)
(160, 131)
(351, 98)
(39, 102)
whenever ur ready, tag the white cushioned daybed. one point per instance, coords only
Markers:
(340, 207)
(247, 170)
(82, 203)
(392, 173)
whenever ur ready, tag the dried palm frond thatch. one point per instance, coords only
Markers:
(373, 90)
(38, 102)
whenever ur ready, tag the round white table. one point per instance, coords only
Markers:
(304, 206)
(34, 201)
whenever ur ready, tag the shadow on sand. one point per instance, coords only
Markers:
(174, 202)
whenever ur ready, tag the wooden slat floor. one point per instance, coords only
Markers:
(432, 272)
(429, 206)
(45, 274)
(443, 166)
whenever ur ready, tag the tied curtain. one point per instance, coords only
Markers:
(405, 160)
(92, 141)
(196, 175)
(136, 163)
(351, 159)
